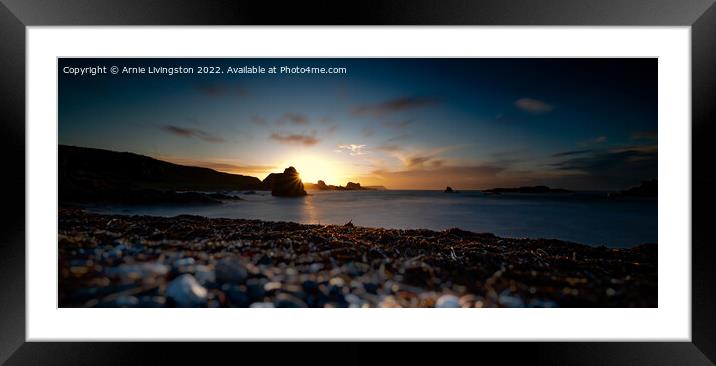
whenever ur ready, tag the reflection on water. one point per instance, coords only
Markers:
(584, 218)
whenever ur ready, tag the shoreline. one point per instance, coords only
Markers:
(154, 261)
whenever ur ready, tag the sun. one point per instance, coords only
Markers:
(314, 168)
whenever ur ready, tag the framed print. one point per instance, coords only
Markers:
(500, 172)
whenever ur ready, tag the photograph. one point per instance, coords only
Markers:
(357, 182)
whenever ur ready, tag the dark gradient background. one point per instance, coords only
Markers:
(18, 13)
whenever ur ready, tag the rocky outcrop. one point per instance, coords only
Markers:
(449, 189)
(286, 184)
(89, 175)
(647, 188)
(350, 186)
(321, 185)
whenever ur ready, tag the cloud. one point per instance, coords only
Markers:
(220, 90)
(332, 129)
(572, 152)
(353, 149)
(533, 106)
(399, 124)
(392, 106)
(191, 133)
(644, 135)
(616, 168)
(307, 140)
(417, 161)
(294, 118)
(600, 139)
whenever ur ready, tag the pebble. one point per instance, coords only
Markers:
(510, 300)
(204, 274)
(126, 301)
(261, 305)
(283, 300)
(187, 292)
(152, 302)
(138, 271)
(448, 301)
(230, 270)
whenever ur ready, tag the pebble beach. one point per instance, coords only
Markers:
(193, 261)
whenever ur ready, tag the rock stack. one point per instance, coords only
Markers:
(286, 184)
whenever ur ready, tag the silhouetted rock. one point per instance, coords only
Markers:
(534, 189)
(89, 175)
(647, 188)
(350, 186)
(449, 190)
(321, 185)
(287, 184)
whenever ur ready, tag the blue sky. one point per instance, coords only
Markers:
(401, 123)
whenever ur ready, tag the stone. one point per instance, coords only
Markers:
(230, 270)
(186, 292)
(448, 301)
(286, 184)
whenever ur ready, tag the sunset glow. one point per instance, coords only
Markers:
(313, 168)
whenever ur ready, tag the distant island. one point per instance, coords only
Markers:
(531, 189)
(350, 186)
(647, 188)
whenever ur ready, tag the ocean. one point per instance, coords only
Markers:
(583, 217)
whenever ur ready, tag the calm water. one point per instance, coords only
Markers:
(588, 218)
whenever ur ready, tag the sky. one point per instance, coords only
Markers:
(582, 124)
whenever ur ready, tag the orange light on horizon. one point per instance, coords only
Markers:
(313, 168)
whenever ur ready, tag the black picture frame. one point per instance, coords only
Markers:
(16, 15)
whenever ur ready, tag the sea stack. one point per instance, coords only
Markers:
(449, 190)
(322, 185)
(287, 184)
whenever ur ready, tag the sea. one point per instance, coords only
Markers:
(590, 218)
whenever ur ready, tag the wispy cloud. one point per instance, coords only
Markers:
(301, 139)
(533, 106)
(191, 133)
(617, 161)
(353, 149)
(294, 118)
(572, 152)
(392, 106)
(616, 168)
